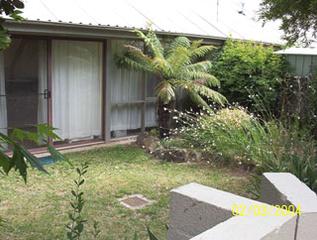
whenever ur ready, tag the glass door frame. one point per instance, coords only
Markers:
(49, 39)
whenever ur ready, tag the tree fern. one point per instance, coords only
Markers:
(179, 68)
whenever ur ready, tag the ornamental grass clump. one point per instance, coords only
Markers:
(220, 132)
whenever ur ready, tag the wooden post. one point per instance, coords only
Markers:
(103, 90)
(144, 93)
(106, 95)
(49, 87)
(143, 107)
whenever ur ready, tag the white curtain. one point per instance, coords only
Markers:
(76, 88)
(151, 115)
(42, 82)
(126, 87)
(151, 110)
(3, 103)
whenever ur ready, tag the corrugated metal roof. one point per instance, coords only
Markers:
(181, 16)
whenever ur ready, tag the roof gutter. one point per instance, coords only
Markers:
(62, 29)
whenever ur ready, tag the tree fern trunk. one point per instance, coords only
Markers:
(164, 118)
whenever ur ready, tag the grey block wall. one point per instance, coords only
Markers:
(195, 208)
(285, 188)
(198, 212)
(252, 228)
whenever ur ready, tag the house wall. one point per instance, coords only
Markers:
(302, 65)
(132, 97)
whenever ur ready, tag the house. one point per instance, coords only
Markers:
(303, 61)
(60, 67)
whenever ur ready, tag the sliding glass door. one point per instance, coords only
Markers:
(23, 85)
(3, 99)
(77, 89)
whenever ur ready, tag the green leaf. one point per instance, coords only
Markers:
(44, 131)
(151, 235)
(30, 158)
(81, 182)
(19, 163)
(5, 40)
(57, 156)
(80, 227)
(5, 162)
(16, 15)
(135, 237)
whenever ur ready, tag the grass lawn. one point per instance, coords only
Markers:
(38, 210)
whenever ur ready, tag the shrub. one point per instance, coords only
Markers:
(241, 138)
(242, 67)
(219, 132)
(298, 100)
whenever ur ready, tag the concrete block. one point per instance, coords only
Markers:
(175, 234)
(195, 208)
(285, 188)
(252, 228)
(307, 226)
(198, 212)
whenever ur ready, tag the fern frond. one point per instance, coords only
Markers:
(152, 42)
(165, 91)
(195, 87)
(135, 59)
(196, 44)
(179, 58)
(204, 78)
(132, 64)
(202, 66)
(201, 51)
(198, 100)
(160, 65)
(209, 93)
(178, 42)
(137, 54)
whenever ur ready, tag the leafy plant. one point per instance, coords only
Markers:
(180, 66)
(11, 9)
(297, 102)
(298, 18)
(151, 235)
(20, 155)
(76, 225)
(242, 67)
(96, 230)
